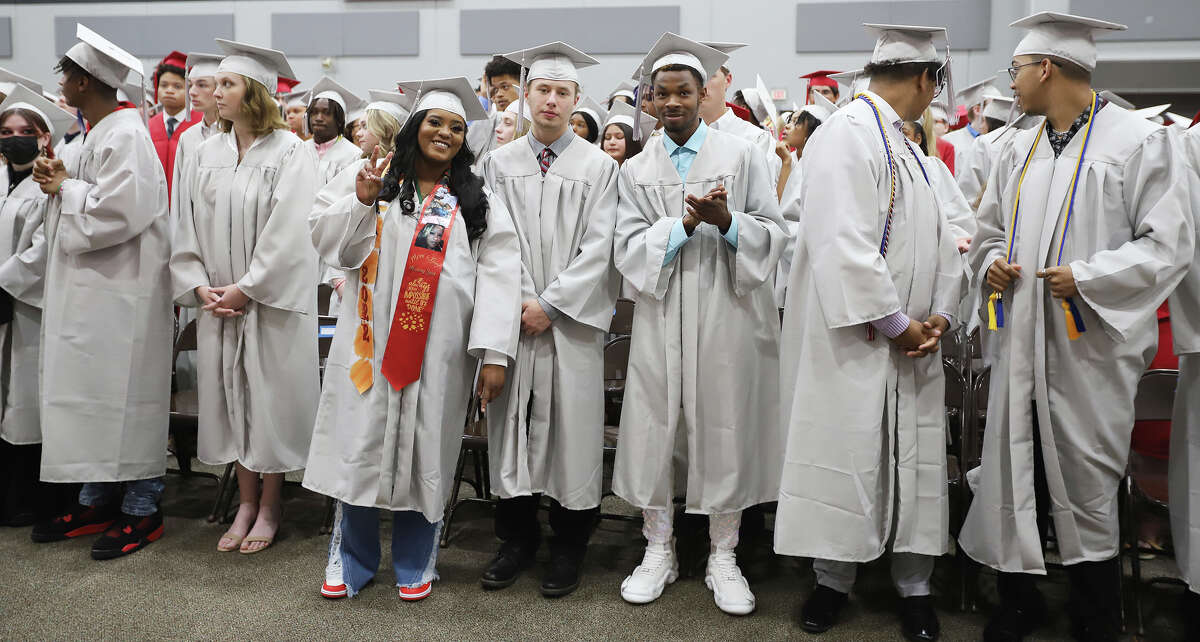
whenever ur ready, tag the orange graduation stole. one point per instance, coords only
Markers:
(405, 349)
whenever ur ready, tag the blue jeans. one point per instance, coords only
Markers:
(141, 496)
(356, 538)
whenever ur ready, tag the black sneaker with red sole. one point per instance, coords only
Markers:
(127, 535)
(78, 522)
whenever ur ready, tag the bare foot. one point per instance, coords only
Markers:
(240, 527)
(265, 525)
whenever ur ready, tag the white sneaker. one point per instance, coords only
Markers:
(335, 586)
(659, 568)
(730, 590)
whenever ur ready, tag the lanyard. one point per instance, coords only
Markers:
(1071, 313)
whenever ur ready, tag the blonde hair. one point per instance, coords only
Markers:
(931, 136)
(384, 127)
(259, 108)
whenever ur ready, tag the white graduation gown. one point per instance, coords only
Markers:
(397, 449)
(973, 172)
(1129, 244)
(546, 430)
(106, 315)
(1183, 476)
(789, 208)
(865, 463)
(341, 155)
(245, 223)
(962, 140)
(704, 357)
(756, 136)
(22, 266)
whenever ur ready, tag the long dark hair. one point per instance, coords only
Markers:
(594, 132)
(399, 181)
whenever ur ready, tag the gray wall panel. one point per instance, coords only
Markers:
(149, 36)
(1147, 19)
(6, 38)
(607, 30)
(358, 33)
(837, 26)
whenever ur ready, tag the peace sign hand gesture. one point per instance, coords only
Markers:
(370, 178)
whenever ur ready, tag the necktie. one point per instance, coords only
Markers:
(171, 122)
(545, 158)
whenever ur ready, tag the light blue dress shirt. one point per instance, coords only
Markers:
(682, 157)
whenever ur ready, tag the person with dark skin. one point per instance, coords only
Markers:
(325, 120)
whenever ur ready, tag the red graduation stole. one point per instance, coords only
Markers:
(405, 351)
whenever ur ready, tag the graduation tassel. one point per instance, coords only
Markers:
(995, 311)
(1074, 319)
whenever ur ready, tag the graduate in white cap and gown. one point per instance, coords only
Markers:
(1184, 466)
(587, 119)
(1084, 229)
(106, 312)
(546, 431)
(976, 97)
(864, 472)
(434, 264)
(29, 124)
(329, 108)
(699, 236)
(972, 175)
(201, 82)
(241, 254)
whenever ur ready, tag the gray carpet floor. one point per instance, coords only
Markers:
(181, 588)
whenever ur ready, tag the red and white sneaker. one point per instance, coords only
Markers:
(416, 593)
(334, 587)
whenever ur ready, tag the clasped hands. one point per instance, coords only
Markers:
(712, 208)
(922, 339)
(49, 172)
(225, 302)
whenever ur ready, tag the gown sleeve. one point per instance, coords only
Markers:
(640, 240)
(187, 263)
(21, 275)
(496, 320)
(282, 269)
(127, 197)
(840, 229)
(762, 234)
(1125, 284)
(587, 288)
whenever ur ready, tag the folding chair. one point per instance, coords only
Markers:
(622, 321)
(616, 364)
(475, 443)
(1155, 401)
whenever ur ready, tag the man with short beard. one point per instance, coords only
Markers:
(699, 236)
(546, 429)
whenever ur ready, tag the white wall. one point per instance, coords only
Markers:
(768, 24)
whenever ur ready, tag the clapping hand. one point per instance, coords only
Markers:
(712, 208)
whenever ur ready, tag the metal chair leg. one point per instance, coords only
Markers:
(458, 480)
(222, 488)
(330, 511)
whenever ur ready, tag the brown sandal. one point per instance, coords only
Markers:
(256, 538)
(237, 542)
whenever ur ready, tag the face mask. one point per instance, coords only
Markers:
(19, 150)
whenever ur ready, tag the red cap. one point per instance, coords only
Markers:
(741, 112)
(819, 79)
(286, 85)
(175, 59)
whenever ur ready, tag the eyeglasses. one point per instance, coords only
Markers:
(1015, 69)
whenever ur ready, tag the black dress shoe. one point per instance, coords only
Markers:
(505, 567)
(1014, 622)
(563, 576)
(918, 620)
(77, 522)
(821, 610)
(129, 534)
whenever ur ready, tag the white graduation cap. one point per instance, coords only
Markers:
(976, 93)
(454, 95)
(624, 89)
(551, 61)
(938, 111)
(895, 44)
(58, 120)
(1000, 108)
(8, 79)
(102, 59)
(764, 95)
(202, 65)
(821, 107)
(589, 106)
(723, 47)
(1116, 99)
(1153, 114)
(855, 80)
(625, 114)
(674, 49)
(1182, 122)
(392, 103)
(332, 90)
(259, 64)
(295, 99)
(755, 103)
(1059, 34)
(512, 109)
